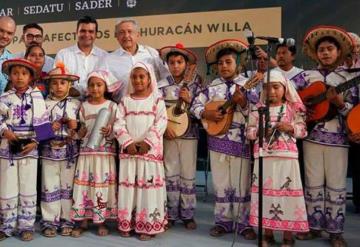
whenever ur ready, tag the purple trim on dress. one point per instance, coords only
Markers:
(66, 194)
(51, 196)
(188, 191)
(5, 154)
(59, 154)
(229, 147)
(329, 138)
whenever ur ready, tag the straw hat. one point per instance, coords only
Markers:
(60, 72)
(180, 49)
(6, 66)
(318, 32)
(211, 52)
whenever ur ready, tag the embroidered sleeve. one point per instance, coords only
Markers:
(252, 127)
(350, 98)
(4, 115)
(299, 125)
(198, 105)
(156, 132)
(120, 129)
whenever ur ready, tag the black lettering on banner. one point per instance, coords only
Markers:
(213, 27)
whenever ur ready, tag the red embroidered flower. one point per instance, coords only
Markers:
(125, 225)
(140, 226)
(148, 227)
(157, 226)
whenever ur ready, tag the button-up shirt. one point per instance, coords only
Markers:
(80, 64)
(120, 63)
(3, 77)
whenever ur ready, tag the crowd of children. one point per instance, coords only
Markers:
(155, 183)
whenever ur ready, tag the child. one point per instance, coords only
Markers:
(180, 153)
(283, 197)
(139, 130)
(326, 147)
(58, 155)
(24, 123)
(36, 55)
(229, 152)
(95, 175)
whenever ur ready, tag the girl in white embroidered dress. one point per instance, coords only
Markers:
(139, 130)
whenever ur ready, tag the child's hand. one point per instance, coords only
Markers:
(106, 131)
(335, 98)
(285, 127)
(131, 149)
(71, 124)
(213, 115)
(185, 95)
(169, 134)
(239, 97)
(56, 125)
(354, 137)
(28, 148)
(143, 147)
(82, 131)
(10, 136)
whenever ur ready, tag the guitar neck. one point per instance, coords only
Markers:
(339, 89)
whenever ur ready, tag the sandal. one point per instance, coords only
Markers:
(217, 231)
(249, 234)
(49, 232)
(102, 230)
(3, 236)
(337, 240)
(268, 240)
(288, 242)
(145, 237)
(312, 234)
(124, 234)
(170, 224)
(27, 236)
(77, 232)
(190, 224)
(66, 231)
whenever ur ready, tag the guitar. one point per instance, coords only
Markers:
(353, 120)
(178, 116)
(226, 107)
(314, 98)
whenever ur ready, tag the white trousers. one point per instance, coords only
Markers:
(180, 168)
(325, 186)
(18, 195)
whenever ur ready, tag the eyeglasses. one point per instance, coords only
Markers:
(37, 37)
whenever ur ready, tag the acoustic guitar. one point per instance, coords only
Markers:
(226, 107)
(353, 120)
(178, 115)
(314, 98)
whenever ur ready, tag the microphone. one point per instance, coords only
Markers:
(288, 42)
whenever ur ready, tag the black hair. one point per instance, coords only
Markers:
(31, 71)
(87, 20)
(329, 39)
(33, 25)
(292, 48)
(176, 53)
(226, 51)
(29, 49)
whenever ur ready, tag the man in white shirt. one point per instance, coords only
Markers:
(7, 32)
(83, 57)
(33, 34)
(285, 57)
(120, 61)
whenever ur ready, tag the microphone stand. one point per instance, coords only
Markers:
(263, 129)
